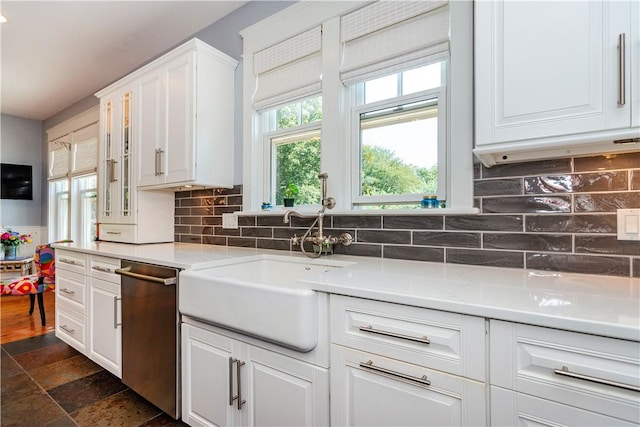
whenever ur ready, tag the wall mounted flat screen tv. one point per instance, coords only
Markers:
(16, 181)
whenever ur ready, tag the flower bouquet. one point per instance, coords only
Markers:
(11, 240)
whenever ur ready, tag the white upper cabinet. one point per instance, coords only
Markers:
(555, 78)
(185, 109)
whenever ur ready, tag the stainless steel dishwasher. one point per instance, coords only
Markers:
(150, 334)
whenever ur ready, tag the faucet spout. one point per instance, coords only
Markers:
(290, 212)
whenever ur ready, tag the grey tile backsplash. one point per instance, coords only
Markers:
(556, 215)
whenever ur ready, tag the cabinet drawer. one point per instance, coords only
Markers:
(71, 261)
(367, 389)
(71, 290)
(71, 328)
(544, 362)
(509, 408)
(104, 268)
(445, 341)
(123, 233)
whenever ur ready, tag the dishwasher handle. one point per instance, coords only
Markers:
(164, 281)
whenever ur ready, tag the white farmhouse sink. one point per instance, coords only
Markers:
(259, 296)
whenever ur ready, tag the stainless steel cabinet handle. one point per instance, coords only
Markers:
(159, 153)
(241, 401)
(369, 329)
(127, 272)
(68, 261)
(422, 381)
(621, 69)
(66, 328)
(231, 396)
(67, 291)
(564, 371)
(111, 170)
(97, 267)
(114, 232)
(115, 312)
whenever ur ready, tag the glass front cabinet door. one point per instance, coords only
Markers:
(116, 202)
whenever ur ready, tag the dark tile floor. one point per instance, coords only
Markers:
(47, 383)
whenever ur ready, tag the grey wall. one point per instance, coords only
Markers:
(21, 143)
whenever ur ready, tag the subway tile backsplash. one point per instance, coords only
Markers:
(555, 215)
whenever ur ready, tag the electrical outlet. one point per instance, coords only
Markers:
(229, 220)
(628, 224)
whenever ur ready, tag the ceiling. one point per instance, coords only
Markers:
(55, 53)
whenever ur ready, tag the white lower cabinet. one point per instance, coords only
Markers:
(229, 382)
(562, 377)
(397, 365)
(372, 390)
(71, 299)
(88, 310)
(105, 344)
(509, 409)
(105, 314)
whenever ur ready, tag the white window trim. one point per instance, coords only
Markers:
(336, 123)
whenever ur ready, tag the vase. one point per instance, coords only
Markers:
(10, 251)
(288, 202)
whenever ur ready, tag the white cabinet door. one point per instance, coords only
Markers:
(371, 390)
(510, 409)
(282, 391)
(150, 129)
(547, 77)
(177, 160)
(115, 160)
(166, 118)
(207, 383)
(105, 331)
(273, 389)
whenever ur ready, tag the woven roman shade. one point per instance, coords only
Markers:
(388, 36)
(289, 70)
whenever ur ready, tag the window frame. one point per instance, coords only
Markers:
(358, 201)
(73, 132)
(337, 100)
(269, 190)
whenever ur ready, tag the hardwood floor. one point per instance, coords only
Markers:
(15, 321)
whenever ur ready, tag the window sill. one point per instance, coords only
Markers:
(368, 212)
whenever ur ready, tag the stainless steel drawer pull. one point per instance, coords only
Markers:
(369, 329)
(68, 261)
(67, 291)
(114, 232)
(422, 381)
(97, 267)
(564, 371)
(66, 328)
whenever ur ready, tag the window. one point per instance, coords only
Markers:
(396, 89)
(59, 210)
(73, 159)
(294, 145)
(399, 147)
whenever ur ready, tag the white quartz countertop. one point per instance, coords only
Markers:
(601, 305)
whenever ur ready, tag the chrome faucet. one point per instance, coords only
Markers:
(321, 243)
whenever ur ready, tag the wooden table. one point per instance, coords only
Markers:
(20, 266)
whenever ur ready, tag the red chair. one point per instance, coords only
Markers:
(43, 280)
